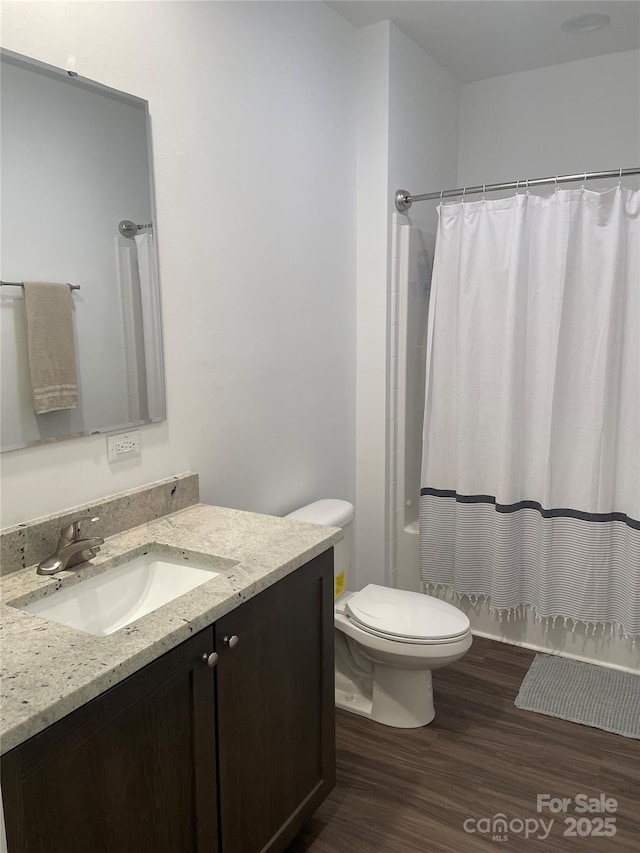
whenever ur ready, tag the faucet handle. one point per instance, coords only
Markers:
(71, 533)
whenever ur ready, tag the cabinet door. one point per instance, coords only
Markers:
(131, 771)
(275, 693)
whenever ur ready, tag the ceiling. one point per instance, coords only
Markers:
(475, 39)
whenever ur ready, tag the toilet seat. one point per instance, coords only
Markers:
(416, 641)
(406, 617)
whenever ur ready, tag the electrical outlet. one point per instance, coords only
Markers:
(124, 445)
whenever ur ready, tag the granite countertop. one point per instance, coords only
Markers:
(49, 670)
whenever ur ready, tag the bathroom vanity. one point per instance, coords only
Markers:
(206, 725)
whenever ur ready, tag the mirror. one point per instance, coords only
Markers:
(76, 165)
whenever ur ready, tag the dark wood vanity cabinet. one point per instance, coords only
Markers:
(133, 770)
(276, 710)
(184, 758)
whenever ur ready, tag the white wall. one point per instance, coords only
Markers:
(423, 126)
(564, 119)
(252, 110)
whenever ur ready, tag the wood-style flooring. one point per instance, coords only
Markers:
(410, 791)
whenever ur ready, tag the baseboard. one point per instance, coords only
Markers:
(547, 651)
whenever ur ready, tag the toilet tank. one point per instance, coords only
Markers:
(333, 513)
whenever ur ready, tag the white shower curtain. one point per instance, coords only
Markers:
(151, 323)
(531, 460)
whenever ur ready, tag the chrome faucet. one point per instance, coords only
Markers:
(71, 549)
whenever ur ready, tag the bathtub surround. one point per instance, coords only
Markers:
(27, 543)
(413, 251)
(529, 491)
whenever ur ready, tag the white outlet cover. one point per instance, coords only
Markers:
(123, 445)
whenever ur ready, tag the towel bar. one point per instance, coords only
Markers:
(20, 284)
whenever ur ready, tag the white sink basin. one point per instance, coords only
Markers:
(117, 597)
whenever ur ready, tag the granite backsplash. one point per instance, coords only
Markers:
(26, 544)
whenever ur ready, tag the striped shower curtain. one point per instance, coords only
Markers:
(531, 460)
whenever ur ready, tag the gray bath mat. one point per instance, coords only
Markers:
(582, 693)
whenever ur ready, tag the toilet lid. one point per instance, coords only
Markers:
(399, 613)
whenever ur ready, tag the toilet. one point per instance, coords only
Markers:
(387, 641)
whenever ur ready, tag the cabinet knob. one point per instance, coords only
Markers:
(231, 641)
(210, 660)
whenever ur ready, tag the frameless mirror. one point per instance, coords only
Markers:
(77, 209)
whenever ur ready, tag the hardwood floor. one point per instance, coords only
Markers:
(410, 791)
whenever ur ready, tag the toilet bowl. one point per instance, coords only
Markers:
(387, 641)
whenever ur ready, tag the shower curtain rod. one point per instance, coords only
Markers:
(404, 199)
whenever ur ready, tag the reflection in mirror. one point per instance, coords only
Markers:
(76, 163)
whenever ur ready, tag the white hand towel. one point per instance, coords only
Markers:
(52, 352)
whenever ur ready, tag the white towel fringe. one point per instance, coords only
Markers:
(597, 629)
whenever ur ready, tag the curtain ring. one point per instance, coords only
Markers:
(517, 186)
(555, 180)
(584, 180)
(620, 178)
(484, 189)
(527, 185)
(464, 192)
(441, 191)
